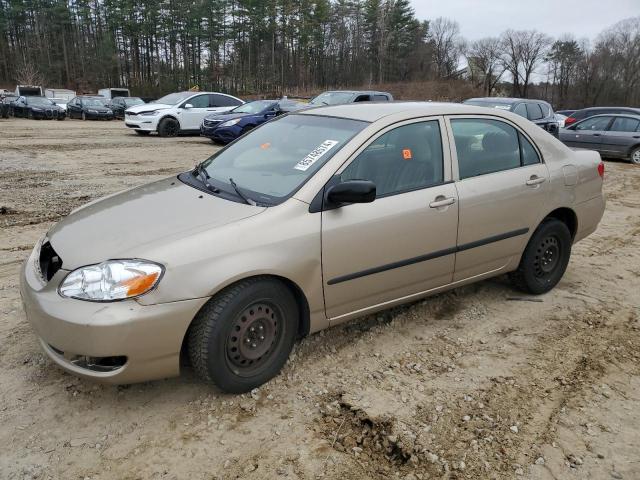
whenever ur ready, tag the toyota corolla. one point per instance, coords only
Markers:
(310, 220)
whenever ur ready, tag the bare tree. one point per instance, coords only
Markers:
(485, 66)
(523, 51)
(444, 36)
(28, 74)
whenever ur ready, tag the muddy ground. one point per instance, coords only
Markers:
(468, 384)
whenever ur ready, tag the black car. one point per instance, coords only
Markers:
(120, 104)
(6, 105)
(39, 108)
(89, 107)
(580, 115)
(538, 111)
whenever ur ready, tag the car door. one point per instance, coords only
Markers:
(192, 117)
(588, 133)
(623, 133)
(403, 242)
(502, 185)
(73, 107)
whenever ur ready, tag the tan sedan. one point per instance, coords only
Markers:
(310, 220)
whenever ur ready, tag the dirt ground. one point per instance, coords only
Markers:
(475, 383)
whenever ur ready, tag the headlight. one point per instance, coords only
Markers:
(92, 111)
(148, 114)
(230, 122)
(36, 109)
(111, 280)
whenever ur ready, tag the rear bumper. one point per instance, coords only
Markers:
(589, 214)
(148, 338)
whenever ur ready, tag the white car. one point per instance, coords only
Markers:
(176, 113)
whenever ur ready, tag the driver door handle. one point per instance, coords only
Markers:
(442, 201)
(535, 180)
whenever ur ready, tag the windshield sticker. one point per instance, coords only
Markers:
(406, 154)
(315, 155)
(265, 146)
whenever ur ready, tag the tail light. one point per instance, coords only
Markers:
(569, 121)
(601, 169)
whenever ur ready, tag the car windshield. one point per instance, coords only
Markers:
(488, 104)
(254, 107)
(174, 98)
(93, 102)
(38, 101)
(130, 102)
(275, 159)
(331, 98)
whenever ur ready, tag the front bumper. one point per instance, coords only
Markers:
(140, 122)
(221, 134)
(99, 116)
(48, 114)
(148, 337)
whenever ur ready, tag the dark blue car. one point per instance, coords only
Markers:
(226, 127)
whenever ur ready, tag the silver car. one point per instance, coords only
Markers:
(615, 136)
(310, 220)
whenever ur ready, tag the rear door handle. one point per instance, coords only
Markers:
(535, 180)
(441, 201)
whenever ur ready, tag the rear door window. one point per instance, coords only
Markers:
(363, 98)
(380, 98)
(485, 146)
(216, 100)
(624, 124)
(533, 111)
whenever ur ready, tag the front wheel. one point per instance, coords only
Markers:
(84, 116)
(243, 336)
(635, 156)
(545, 258)
(168, 127)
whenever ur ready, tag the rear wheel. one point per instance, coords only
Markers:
(635, 156)
(545, 259)
(243, 336)
(168, 127)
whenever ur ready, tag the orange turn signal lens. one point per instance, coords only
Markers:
(140, 285)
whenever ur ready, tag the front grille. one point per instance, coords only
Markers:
(48, 261)
(211, 123)
(49, 113)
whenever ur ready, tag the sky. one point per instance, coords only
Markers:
(482, 18)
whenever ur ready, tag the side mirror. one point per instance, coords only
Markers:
(352, 191)
(270, 114)
(187, 106)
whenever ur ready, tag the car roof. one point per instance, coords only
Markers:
(372, 111)
(628, 109)
(623, 115)
(505, 100)
(371, 92)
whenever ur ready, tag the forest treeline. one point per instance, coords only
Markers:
(272, 47)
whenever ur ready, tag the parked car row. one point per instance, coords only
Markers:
(85, 107)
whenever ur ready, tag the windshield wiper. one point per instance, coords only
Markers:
(247, 200)
(202, 174)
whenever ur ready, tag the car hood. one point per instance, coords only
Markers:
(148, 107)
(126, 224)
(227, 116)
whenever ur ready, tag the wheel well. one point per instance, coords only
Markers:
(301, 301)
(568, 217)
(165, 117)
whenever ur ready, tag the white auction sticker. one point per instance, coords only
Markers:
(315, 155)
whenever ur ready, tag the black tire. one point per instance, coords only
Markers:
(243, 336)
(60, 119)
(545, 259)
(142, 132)
(84, 116)
(635, 156)
(30, 115)
(169, 127)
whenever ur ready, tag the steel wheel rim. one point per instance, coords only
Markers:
(254, 336)
(636, 156)
(547, 257)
